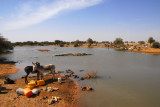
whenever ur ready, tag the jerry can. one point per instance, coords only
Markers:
(29, 86)
(27, 92)
(32, 84)
(40, 82)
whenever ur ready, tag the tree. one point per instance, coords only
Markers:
(61, 44)
(76, 43)
(141, 42)
(5, 44)
(151, 40)
(90, 42)
(118, 41)
(57, 42)
(156, 45)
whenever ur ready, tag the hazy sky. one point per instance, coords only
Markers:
(70, 20)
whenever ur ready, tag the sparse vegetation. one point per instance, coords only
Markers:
(5, 45)
(151, 40)
(156, 45)
(76, 43)
(61, 44)
(141, 42)
(119, 42)
(90, 42)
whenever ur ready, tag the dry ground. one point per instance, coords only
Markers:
(9, 98)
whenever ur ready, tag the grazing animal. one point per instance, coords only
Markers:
(44, 68)
(28, 70)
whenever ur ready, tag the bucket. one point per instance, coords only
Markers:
(40, 82)
(27, 92)
(59, 79)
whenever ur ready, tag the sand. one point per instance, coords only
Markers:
(153, 51)
(9, 98)
(6, 69)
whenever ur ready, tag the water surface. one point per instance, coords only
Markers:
(125, 79)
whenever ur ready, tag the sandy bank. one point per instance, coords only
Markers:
(6, 69)
(67, 91)
(148, 51)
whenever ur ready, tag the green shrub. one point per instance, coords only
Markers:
(5, 44)
(61, 44)
(141, 42)
(75, 44)
(118, 41)
(155, 45)
(151, 40)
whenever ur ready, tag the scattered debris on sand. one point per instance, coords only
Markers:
(59, 92)
(61, 95)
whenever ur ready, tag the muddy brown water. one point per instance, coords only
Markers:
(124, 79)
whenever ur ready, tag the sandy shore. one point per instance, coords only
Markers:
(67, 91)
(6, 69)
(149, 51)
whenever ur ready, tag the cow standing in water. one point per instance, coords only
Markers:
(44, 68)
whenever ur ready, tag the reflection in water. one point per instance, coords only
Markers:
(124, 79)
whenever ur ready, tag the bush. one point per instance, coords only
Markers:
(90, 42)
(76, 43)
(118, 41)
(151, 40)
(155, 45)
(141, 42)
(89, 45)
(5, 44)
(61, 44)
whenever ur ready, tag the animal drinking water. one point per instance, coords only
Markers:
(44, 68)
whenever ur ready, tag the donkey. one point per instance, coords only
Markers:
(44, 68)
(28, 70)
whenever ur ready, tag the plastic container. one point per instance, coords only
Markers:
(27, 92)
(40, 82)
(59, 80)
(20, 91)
(35, 91)
(32, 84)
(29, 86)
